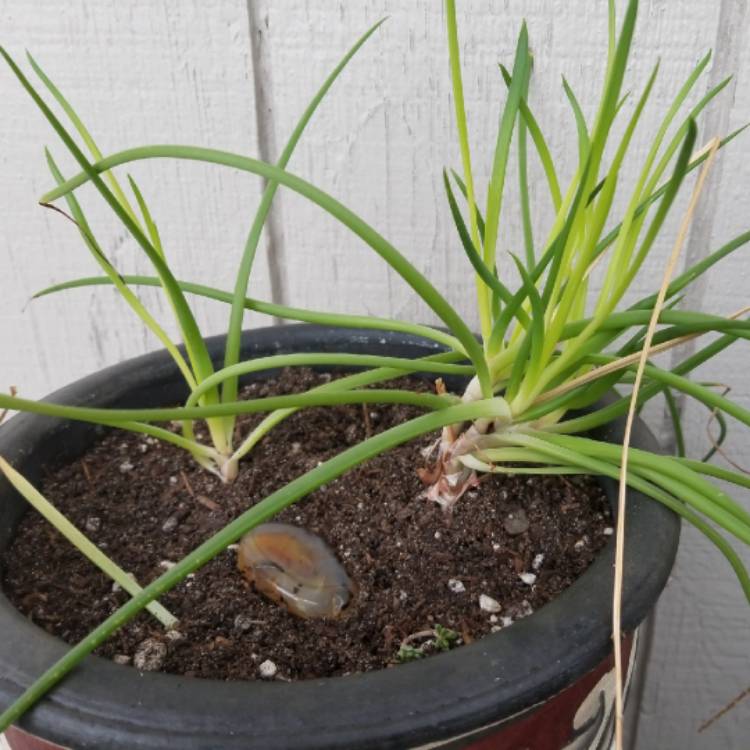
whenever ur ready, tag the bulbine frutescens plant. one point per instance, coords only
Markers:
(546, 349)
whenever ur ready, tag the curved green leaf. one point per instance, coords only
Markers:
(341, 320)
(348, 218)
(232, 349)
(259, 513)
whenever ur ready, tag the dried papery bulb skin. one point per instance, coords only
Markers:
(296, 568)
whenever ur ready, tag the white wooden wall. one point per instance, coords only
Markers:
(235, 75)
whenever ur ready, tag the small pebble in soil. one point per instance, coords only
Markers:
(366, 516)
(243, 623)
(608, 531)
(516, 522)
(125, 466)
(121, 659)
(456, 586)
(294, 567)
(528, 578)
(267, 669)
(116, 586)
(170, 524)
(175, 635)
(536, 563)
(93, 524)
(167, 564)
(488, 604)
(580, 544)
(525, 609)
(150, 655)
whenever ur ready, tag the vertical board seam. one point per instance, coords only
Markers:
(727, 47)
(266, 140)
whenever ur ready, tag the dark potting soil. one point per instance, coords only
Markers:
(519, 540)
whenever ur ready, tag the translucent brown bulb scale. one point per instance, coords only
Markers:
(295, 568)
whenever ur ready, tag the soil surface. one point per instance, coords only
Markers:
(518, 540)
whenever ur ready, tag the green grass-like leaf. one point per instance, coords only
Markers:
(232, 348)
(114, 277)
(80, 541)
(584, 143)
(272, 309)
(348, 218)
(83, 131)
(128, 417)
(543, 152)
(259, 513)
(483, 303)
(521, 70)
(543, 346)
(489, 278)
(201, 364)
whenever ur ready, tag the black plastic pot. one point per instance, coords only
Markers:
(462, 698)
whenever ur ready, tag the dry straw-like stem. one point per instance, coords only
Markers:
(623, 362)
(716, 442)
(646, 351)
(4, 413)
(731, 705)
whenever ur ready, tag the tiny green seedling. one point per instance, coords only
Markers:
(445, 638)
(430, 641)
(409, 653)
(548, 350)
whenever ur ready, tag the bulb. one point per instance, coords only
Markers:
(296, 568)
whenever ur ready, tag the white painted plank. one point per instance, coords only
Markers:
(385, 132)
(139, 73)
(181, 71)
(379, 143)
(701, 641)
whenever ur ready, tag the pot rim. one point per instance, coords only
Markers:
(104, 705)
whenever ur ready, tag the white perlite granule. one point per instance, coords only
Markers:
(268, 669)
(488, 604)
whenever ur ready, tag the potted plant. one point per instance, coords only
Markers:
(535, 395)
